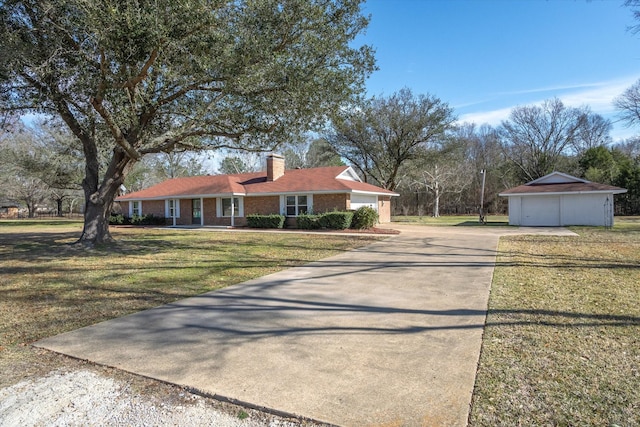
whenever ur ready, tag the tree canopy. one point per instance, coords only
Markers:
(381, 134)
(536, 137)
(146, 76)
(39, 164)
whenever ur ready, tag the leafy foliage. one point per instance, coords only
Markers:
(265, 221)
(308, 222)
(364, 217)
(133, 78)
(117, 219)
(329, 220)
(336, 220)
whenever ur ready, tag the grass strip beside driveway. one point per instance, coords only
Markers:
(562, 341)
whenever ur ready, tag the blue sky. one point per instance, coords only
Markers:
(484, 57)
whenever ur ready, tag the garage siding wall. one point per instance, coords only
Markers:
(560, 210)
(515, 211)
(584, 209)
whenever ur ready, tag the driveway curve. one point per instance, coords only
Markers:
(388, 334)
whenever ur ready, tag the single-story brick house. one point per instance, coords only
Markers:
(558, 199)
(226, 200)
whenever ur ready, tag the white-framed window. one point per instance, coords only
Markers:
(298, 204)
(135, 208)
(172, 208)
(225, 207)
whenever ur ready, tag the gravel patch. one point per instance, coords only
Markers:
(86, 398)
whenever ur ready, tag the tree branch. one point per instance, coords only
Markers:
(114, 129)
(144, 72)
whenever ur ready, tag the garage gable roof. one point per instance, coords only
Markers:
(561, 183)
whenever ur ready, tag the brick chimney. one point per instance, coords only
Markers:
(275, 166)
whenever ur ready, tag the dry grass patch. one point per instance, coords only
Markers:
(562, 341)
(49, 287)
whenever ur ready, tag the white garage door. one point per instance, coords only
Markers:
(359, 200)
(540, 211)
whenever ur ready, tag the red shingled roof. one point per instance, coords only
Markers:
(314, 180)
(570, 187)
(557, 182)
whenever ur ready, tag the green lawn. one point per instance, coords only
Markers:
(461, 220)
(562, 341)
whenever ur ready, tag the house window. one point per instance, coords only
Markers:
(296, 205)
(173, 209)
(224, 207)
(136, 209)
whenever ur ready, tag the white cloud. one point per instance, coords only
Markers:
(601, 97)
(598, 96)
(492, 117)
(549, 89)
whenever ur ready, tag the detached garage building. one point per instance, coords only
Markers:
(559, 199)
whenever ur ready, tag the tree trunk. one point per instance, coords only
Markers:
(59, 203)
(99, 199)
(96, 223)
(436, 199)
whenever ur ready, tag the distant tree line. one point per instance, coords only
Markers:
(411, 144)
(124, 107)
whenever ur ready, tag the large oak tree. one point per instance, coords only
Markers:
(135, 77)
(381, 134)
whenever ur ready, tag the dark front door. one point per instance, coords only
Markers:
(196, 211)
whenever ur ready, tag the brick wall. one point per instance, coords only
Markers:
(264, 205)
(152, 207)
(275, 167)
(209, 211)
(330, 202)
(185, 212)
(384, 209)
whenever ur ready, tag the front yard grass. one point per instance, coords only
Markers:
(48, 287)
(562, 342)
(461, 220)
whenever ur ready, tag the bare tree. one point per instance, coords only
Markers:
(629, 104)
(439, 180)
(594, 131)
(40, 164)
(536, 137)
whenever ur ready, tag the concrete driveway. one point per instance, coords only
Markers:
(389, 334)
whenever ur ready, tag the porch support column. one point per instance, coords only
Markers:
(233, 211)
(175, 210)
